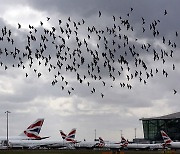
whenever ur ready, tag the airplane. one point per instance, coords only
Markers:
(87, 144)
(168, 142)
(68, 142)
(77, 144)
(112, 145)
(144, 146)
(30, 133)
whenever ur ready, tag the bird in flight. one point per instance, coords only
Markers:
(19, 26)
(174, 91)
(99, 13)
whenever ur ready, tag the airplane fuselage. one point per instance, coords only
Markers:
(85, 144)
(144, 146)
(175, 145)
(39, 143)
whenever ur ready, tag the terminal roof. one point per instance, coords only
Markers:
(169, 116)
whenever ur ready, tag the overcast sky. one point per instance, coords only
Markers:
(121, 108)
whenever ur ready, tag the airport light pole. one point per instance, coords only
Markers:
(95, 134)
(7, 112)
(135, 132)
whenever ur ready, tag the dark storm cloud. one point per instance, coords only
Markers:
(141, 8)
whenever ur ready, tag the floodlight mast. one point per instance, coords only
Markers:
(135, 129)
(95, 134)
(7, 112)
(121, 133)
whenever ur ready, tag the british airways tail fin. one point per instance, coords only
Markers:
(101, 142)
(166, 138)
(124, 142)
(70, 137)
(63, 135)
(32, 132)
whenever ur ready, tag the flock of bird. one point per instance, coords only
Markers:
(88, 53)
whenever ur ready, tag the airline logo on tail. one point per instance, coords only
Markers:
(101, 143)
(63, 134)
(124, 142)
(166, 138)
(32, 132)
(70, 137)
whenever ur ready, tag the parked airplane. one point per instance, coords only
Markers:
(68, 142)
(88, 145)
(145, 146)
(112, 145)
(31, 133)
(168, 142)
(78, 144)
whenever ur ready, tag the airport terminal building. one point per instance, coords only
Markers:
(169, 123)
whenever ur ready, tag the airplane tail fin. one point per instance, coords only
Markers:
(32, 132)
(70, 137)
(63, 135)
(166, 138)
(124, 142)
(101, 142)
